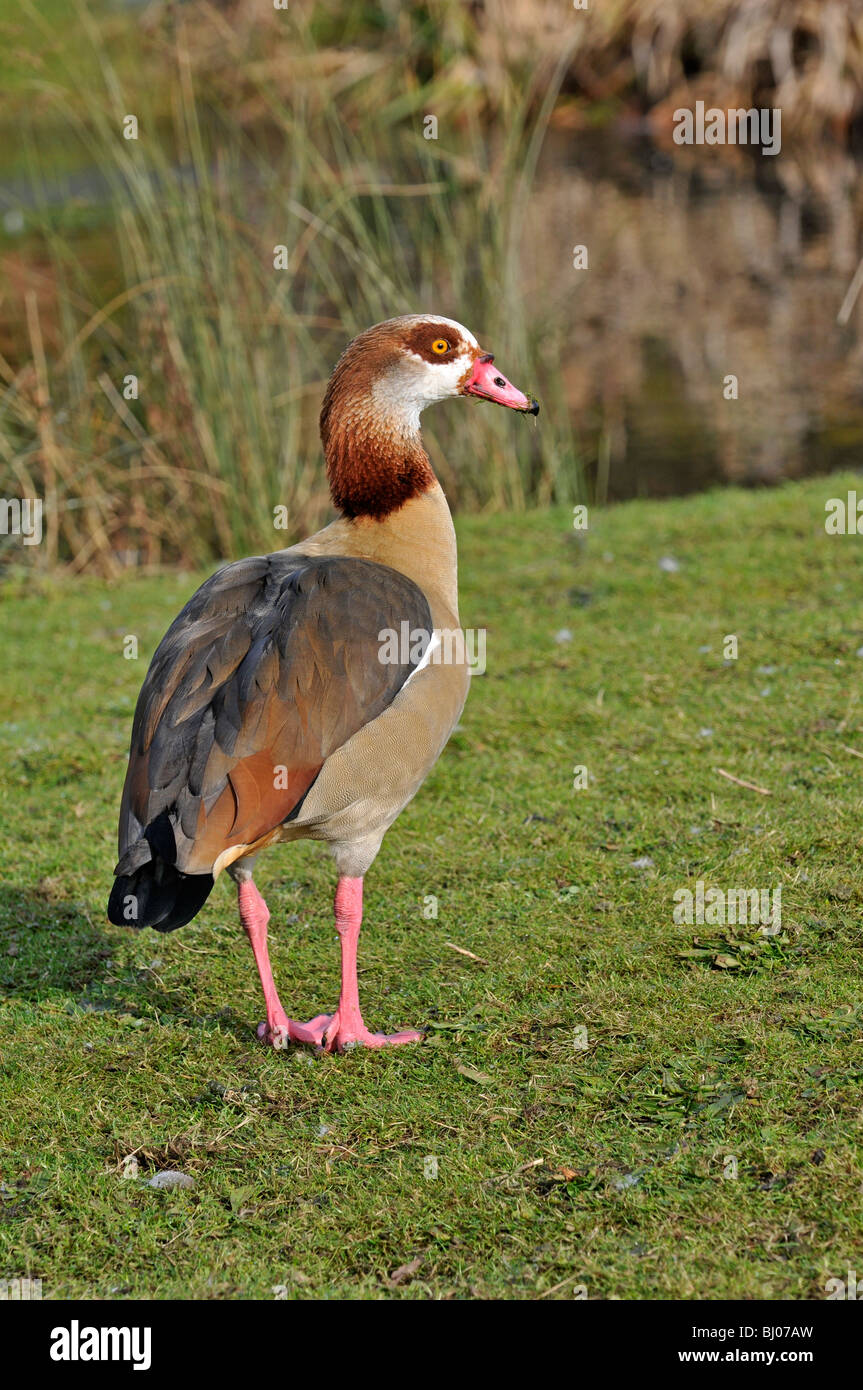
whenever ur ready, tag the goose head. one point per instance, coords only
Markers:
(383, 381)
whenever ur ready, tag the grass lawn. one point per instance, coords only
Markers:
(513, 1155)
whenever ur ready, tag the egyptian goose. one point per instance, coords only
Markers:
(272, 711)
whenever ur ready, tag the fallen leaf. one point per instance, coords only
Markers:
(404, 1272)
(725, 962)
(473, 1075)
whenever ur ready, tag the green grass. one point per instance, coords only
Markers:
(557, 1165)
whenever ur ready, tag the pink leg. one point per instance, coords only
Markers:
(254, 916)
(345, 1028)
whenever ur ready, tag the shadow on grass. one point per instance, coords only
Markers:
(51, 949)
(47, 946)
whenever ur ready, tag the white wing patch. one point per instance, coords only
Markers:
(433, 646)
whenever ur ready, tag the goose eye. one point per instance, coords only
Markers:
(440, 346)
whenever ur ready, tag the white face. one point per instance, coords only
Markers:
(415, 382)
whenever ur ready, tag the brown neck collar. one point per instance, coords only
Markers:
(375, 462)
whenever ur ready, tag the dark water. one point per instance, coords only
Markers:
(701, 267)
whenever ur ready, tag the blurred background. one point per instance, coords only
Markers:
(306, 128)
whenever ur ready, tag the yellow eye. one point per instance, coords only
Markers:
(440, 346)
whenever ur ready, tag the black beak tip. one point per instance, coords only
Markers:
(533, 408)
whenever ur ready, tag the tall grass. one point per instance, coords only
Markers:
(231, 354)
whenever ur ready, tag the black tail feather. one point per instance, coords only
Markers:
(149, 891)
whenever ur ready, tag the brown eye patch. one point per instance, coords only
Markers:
(436, 342)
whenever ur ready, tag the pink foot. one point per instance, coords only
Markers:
(312, 1032)
(340, 1036)
(277, 1031)
(327, 1034)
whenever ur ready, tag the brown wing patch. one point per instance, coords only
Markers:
(249, 805)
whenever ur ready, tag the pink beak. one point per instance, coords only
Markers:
(485, 381)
